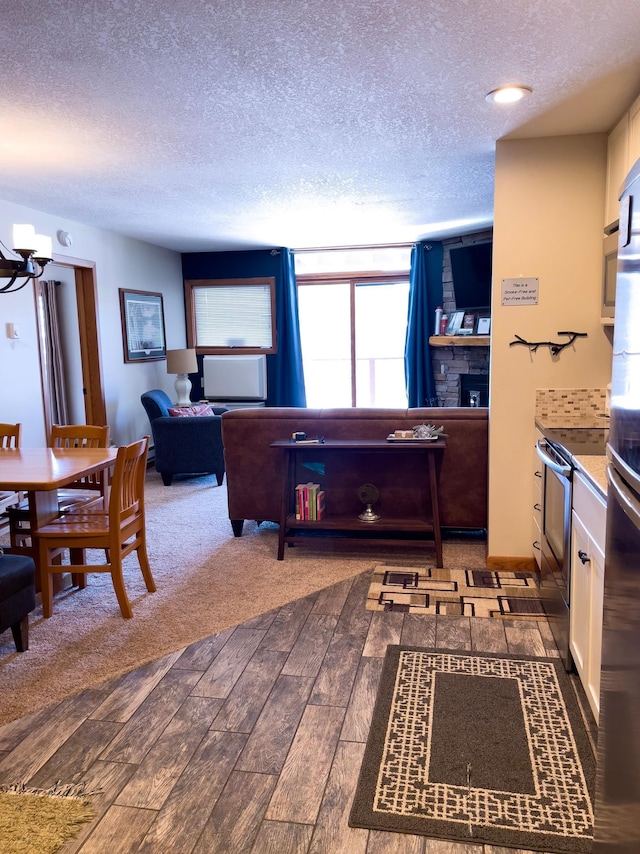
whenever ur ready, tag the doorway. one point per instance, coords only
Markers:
(80, 344)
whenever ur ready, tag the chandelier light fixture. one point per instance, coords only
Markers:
(34, 251)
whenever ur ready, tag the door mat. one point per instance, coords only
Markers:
(456, 592)
(480, 748)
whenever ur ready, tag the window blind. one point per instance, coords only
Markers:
(233, 316)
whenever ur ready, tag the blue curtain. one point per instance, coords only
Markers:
(425, 295)
(285, 378)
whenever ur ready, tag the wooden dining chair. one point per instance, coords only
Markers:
(8, 499)
(120, 530)
(10, 438)
(87, 492)
(10, 435)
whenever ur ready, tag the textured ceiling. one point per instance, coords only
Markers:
(244, 123)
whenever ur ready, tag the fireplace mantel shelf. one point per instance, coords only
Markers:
(460, 340)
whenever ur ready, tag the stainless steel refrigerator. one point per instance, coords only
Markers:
(617, 804)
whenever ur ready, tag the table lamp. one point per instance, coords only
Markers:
(182, 362)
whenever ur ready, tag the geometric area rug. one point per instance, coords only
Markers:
(477, 747)
(456, 592)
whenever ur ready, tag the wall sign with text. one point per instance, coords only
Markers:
(520, 291)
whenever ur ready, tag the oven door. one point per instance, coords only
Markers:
(556, 515)
(556, 545)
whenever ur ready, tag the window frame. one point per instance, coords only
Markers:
(353, 280)
(190, 285)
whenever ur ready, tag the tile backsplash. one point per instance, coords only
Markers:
(570, 402)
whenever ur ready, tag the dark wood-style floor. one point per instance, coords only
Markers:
(248, 741)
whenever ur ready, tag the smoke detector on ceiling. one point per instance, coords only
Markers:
(64, 238)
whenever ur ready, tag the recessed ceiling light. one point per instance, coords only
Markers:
(508, 94)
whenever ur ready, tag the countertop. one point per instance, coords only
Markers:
(595, 468)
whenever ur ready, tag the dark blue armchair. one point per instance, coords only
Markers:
(191, 445)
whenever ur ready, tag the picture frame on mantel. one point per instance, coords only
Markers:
(143, 333)
(483, 326)
(468, 323)
(455, 322)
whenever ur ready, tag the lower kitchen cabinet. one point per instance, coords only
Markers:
(587, 586)
(536, 529)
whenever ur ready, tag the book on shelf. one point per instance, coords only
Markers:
(306, 501)
(312, 492)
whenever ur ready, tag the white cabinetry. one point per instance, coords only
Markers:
(587, 586)
(623, 149)
(617, 167)
(634, 133)
(536, 530)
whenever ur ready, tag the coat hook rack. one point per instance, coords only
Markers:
(555, 347)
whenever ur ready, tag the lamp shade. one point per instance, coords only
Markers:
(43, 246)
(24, 237)
(181, 362)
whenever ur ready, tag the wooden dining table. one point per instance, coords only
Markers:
(40, 472)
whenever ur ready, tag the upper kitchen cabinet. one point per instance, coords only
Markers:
(617, 167)
(623, 149)
(634, 133)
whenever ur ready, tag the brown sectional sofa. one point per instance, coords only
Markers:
(256, 472)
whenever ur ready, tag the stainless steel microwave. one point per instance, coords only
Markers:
(609, 270)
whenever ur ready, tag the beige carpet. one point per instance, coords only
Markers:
(207, 580)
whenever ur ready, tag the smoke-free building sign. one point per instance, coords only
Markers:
(520, 291)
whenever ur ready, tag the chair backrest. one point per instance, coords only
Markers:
(82, 436)
(126, 502)
(78, 436)
(156, 403)
(10, 435)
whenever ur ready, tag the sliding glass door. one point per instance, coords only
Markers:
(353, 336)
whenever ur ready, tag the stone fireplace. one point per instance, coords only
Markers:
(452, 363)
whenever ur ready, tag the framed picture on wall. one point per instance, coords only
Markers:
(142, 316)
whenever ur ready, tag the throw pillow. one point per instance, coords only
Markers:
(190, 411)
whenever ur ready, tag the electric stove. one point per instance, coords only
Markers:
(578, 441)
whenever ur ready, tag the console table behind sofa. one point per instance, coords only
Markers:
(255, 471)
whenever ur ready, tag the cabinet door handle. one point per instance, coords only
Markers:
(584, 557)
(537, 507)
(538, 474)
(536, 545)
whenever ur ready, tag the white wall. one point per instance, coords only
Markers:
(549, 198)
(120, 262)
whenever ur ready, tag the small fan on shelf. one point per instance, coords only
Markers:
(368, 494)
